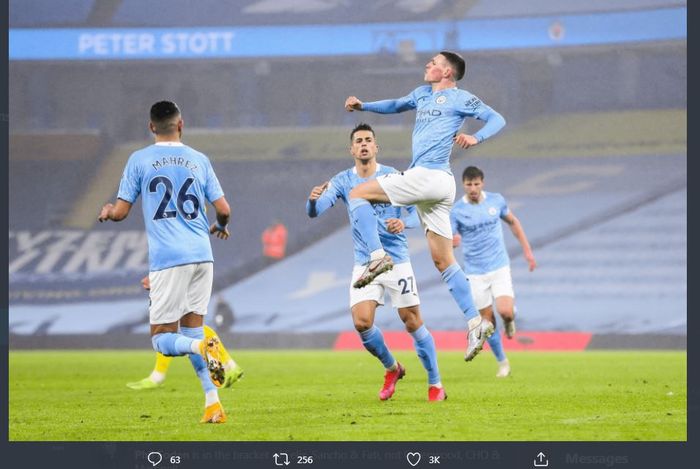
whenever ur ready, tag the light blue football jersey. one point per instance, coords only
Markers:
(396, 245)
(439, 116)
(483, 246)
(175, 182)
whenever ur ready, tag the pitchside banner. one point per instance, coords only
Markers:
(70, 265)
(357, 39)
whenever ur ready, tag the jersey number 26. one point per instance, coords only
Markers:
(182, 197)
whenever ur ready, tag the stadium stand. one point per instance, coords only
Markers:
(37, 13)
(135, 13)
(525, 84)
(274, 127)
(606, 231)
(48, 171)
(250, 165)
(268, 12)
(627, 275)
(489, 9)
(600, 287)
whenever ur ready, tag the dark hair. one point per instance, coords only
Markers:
(459, 66)
(472, 172)
(361, 126)
(164, 115)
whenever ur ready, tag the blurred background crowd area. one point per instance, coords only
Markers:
(593, 159)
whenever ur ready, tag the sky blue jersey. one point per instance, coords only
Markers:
(340, 186)
(479, 225)
(176, 181)
(439, 116)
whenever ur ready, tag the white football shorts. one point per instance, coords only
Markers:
(491, 285)
(399, 282)
(432, 191)
(180, 290)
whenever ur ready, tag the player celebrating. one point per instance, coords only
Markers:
(233, 371)
(176, 182)
(441, 109)
(400, 283)
(475, 221)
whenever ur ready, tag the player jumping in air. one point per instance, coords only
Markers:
(441, 109)
(400, 282)
(176, 182)
(476, 223)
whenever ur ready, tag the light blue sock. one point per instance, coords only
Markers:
(497, 346)
(425, 349)
(373, 340)
(364, 219)
(458, 284)
(200, 366)
(171, 344)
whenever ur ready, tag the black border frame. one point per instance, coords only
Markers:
(511, 455)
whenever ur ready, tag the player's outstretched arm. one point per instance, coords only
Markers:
(223, 214)
(519, 234)
(352, 103)
(386, 106)
(115, 212)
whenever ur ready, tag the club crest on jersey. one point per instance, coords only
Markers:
(441, 99)
(492, 211)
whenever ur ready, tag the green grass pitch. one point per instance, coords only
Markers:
(331, 396)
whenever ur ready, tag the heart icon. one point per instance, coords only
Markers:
(413, 458)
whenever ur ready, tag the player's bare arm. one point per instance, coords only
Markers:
(353, 104)
(395, 225)
(223, 214)
(146, 283)
(317, 191)
(115, 212)
(519, 234)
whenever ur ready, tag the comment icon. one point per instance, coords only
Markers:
(154, 457)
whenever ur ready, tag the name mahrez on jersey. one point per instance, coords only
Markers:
(173, 161)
